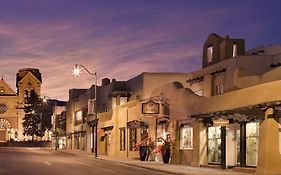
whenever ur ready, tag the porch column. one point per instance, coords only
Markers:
(269, 157)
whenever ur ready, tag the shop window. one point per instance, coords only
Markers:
(186, 137)
(133, 138)
(252, 141)
(214, 145)
(210, 54)
(162, 129)
(122, 139)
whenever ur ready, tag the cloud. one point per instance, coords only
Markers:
(116, 40)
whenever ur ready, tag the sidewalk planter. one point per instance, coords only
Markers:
(143, 152)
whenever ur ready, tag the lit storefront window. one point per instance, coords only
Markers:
(252, 140)
(186, 138)
(214, 145)
(122, 139)
(133, 138)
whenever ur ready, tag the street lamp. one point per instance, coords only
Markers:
(45, 100)
(76, 72)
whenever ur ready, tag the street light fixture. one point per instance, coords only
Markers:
(76, 72)
(45, 100)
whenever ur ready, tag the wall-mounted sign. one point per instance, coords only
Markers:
(220, 122)
(150, 108)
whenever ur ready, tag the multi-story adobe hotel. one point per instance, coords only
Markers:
(225, 114)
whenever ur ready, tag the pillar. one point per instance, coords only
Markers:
(269, 157)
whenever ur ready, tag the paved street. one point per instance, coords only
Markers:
(36, 161)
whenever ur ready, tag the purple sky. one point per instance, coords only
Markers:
(122, 38)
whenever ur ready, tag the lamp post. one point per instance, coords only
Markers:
(45, 100)
(77, 72)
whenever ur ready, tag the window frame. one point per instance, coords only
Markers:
(210, 53)
(122, 139)
(132, 138)
(189, 129)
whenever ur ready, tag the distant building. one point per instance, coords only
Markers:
(12, 103)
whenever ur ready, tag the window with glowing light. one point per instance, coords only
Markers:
(186, 137)
(133, 138)
(2, 90)
(210, 54)
(122, 139)
(234, 50)
(78, 117)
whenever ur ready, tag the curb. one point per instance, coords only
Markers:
(140, 166)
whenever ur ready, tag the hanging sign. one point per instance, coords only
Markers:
(150, 108)
(220, 122)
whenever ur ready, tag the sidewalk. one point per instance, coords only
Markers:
(178, 169)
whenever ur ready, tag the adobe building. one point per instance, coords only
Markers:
(12, 103)
(226, 114)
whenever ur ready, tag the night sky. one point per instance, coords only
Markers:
(122, 38)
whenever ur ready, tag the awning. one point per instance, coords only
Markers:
(181, 123)
(108, 128)
(137, 124)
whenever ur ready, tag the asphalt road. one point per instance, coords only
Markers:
(36, 161)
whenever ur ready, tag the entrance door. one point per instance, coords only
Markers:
(107, 138)
(233, 145)
(214, 145)
(252, 140)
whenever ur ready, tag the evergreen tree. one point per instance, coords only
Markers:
(47, 112)
(33, 116)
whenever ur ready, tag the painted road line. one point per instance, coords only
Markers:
(48, 163)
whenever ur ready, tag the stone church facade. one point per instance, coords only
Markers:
(12, 103)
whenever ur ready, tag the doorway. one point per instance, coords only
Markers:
(252, 140)
(233, 145)
(214, 145)
(107, 138)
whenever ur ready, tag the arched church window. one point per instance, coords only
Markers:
(26, 95)
(28, 84)
(210, 53)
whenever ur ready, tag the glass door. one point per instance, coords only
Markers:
(233, 145)
(237, 133)
(252, 140)
(214, 145)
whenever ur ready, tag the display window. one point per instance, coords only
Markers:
(252, 140)
(214, 145)
(186, 137)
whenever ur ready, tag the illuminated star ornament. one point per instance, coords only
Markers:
(76, 71)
